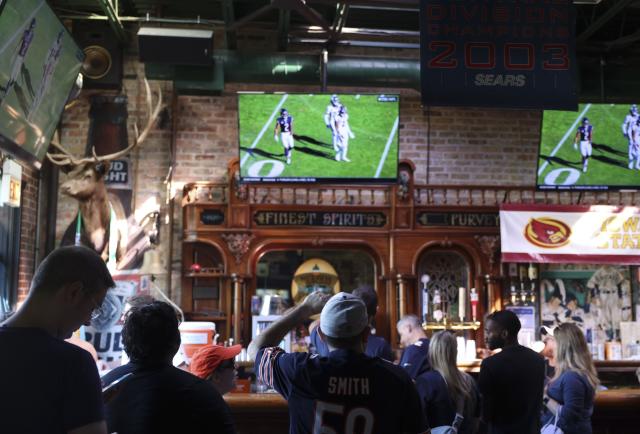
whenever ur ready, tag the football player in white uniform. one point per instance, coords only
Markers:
(329, 119)
(53, 56)
(284, 126)
(341, 126)
(629, 122)
(634, 144)
(585, 136)
(17, 62)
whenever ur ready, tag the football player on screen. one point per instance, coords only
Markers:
(53, 56)
(17, 62)
(343, 134)
(629, 122)
(284, 126)
(329, 119)
(585, 136)
(634, 144)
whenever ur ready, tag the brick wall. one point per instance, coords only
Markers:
(28, 219)
(447, 145)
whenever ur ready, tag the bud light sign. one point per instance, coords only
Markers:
(119, 176)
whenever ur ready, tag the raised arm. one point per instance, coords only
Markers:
(272, 335)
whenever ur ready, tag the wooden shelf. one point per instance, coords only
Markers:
(203, 275)
(452, 325)
(200, 317)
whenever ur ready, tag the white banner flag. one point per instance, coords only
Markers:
(579, 234)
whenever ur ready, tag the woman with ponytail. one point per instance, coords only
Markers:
(449, 396)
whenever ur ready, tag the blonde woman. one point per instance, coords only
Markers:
(446, 393)
(571, 391)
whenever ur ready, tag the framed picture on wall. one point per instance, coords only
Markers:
(594, 297)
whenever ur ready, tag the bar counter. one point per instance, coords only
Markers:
(617, 411)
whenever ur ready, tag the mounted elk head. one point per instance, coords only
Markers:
(95, 224)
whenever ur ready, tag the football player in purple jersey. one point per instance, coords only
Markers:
(18, 68)
(629, 123)
(346, 392)
(585, 136)
(284, 126)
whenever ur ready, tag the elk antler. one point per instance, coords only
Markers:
(65, 157)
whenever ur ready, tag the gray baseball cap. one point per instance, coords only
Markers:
(344, 316)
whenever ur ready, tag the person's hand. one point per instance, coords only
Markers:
(275, 137)
(315, 301)
(483, 353)
(575, 146)
(351, 135)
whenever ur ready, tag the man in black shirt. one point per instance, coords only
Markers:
(511, 382)
(49, 385)
(160, 398)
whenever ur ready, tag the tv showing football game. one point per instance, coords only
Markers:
(39, 63)
(595, 148)
(345, 138)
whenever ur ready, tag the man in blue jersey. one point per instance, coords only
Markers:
(376, 345)
(416, 346)
(284, 126)
(347, 391)
(585, 136)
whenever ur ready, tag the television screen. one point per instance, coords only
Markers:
(39, 63)
(595, 148)
(310, 138)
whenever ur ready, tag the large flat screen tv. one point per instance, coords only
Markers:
(595, 148)
(39, 63)
(343, 138)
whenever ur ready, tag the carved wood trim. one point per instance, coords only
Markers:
(238, 244)
(489, 245)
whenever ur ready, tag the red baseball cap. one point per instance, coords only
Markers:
(208, 358)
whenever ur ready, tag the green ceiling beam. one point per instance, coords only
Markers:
(111, 11)
(229, 16)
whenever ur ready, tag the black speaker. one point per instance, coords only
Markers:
(102, 67)
(176, 46)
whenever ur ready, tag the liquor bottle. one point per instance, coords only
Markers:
(437, 305)
(514, 293)
(474, 299)
(533, 278)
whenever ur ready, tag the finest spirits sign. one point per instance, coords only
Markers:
(459, 219)
(320, 218)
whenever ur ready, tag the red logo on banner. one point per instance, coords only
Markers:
(547, 232)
